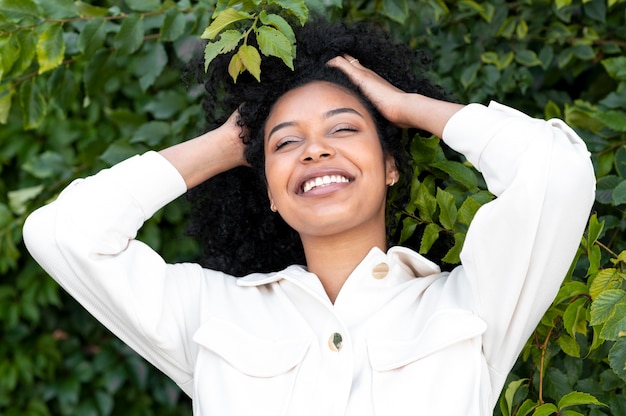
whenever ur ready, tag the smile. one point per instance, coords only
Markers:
(323, 181)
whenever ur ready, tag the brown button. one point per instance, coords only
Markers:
(380, 271)
(335, 342)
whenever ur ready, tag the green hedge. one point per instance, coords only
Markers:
(83, 86)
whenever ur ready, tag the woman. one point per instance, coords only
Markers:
(362, 329)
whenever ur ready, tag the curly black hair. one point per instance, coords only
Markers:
(230, 214)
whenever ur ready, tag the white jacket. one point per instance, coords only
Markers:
(401, 338)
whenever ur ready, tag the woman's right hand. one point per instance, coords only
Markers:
(214, 152)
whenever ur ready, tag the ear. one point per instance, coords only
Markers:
(392, 175)
(272, 205)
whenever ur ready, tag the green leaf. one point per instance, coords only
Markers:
(6, 98)
(91, 38)
(87, 10)
(605, 187)
(569, 345)
(577, 398)
(227, 42)
(447, 208)
(153, 62)
(396, 10)
(426, 203)
(616, 67)
(274, 43)
(510, 391)
(606, 279)
(130, 36)
(144, 5)
(278, 22)
(468, 209)
(569, 290)
(222, 21)
(527, 58)
(24, 7)
(152, 133)
(468, 75)
(584, 52)
(26, 44)
(526, 408)
(615, 326)
(33, 104)
(485, 10)
(97, 72)
(453, 255)
(620, 161)
(575, 317)
(458, 172)
(18, 200)
(408, 228)
(173, 25)
(46, 165)
(613, 119)
(58, 9)
(545, 410)
(431, 234)
(507, 28)
(619, 193)
(522, 29)
(617, 358)
(594, 229)
(297, 7)
(50, 47)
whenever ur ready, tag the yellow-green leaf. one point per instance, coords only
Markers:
(274, 43)
(251, 60)
(6, 98)
(50, 47)
(222, 21)
(227, 42)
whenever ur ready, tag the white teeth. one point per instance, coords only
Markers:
(323, 181)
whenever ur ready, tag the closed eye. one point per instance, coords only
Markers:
(284, 142)
(344, 129)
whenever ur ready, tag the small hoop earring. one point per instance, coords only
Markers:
(393, 182)
(273, 207)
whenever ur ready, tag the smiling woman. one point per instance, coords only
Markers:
(330, 318)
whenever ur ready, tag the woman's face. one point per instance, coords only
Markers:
(325, 168)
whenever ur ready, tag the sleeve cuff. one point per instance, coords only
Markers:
(150, 178)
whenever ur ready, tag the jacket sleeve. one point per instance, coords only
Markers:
(86, 241)
(520, 246)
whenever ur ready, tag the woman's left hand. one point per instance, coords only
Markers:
(388, 99)
(404, 109)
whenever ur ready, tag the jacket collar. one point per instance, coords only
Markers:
(414, 264)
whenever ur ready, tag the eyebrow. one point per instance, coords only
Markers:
(326, 115)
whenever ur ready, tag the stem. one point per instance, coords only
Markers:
(544, 348)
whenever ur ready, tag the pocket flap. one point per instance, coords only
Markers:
(443, 329)
(248, 353)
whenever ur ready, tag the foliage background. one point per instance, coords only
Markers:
(86, 84)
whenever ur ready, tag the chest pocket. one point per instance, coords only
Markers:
(436, 372)
(239, 373)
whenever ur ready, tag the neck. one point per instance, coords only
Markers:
(333, 258)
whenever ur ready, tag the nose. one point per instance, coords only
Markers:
(317, 149)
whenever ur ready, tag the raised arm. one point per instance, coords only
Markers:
(209, 154)
(85, 240)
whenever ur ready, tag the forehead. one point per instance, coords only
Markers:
(312, 100)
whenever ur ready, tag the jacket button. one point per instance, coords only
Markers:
(335, 342)
(380, 271)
